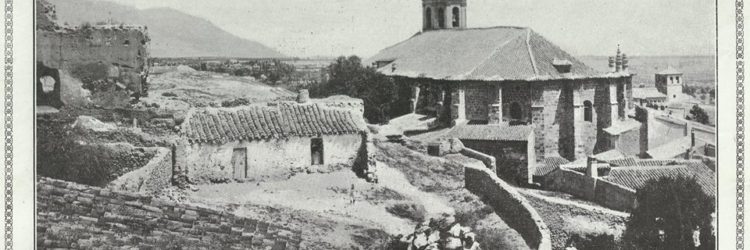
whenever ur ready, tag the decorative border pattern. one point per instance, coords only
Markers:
(8, 195)
(739, 19)
(9, 124)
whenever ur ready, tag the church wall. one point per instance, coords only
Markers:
(517, 92)
(478, 98)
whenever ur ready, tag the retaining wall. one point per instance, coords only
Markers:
(603, 192)
(150, 179)
(510, 205)
(76, 216)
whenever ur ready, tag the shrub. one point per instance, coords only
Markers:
(411, 211)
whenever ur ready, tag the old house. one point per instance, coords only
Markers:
(505, 76)
(265, 140)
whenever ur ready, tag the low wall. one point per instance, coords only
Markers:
(75, 216)
(510, 205)
(603, 192)
(488, 160)
(151, 178)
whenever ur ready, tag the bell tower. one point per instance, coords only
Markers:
(443, 14)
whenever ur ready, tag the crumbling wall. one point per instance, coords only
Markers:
(111, 55)
(74, 216)
(601, 191)
(150, 179)
(510, 205)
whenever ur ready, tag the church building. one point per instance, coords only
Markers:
(508, 76)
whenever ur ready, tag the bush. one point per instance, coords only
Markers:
(411, 211)
(680, 203)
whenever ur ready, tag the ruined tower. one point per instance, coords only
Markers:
(443, 14)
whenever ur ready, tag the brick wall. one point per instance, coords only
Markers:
(76, 216)
(510, 205)
(150, 179)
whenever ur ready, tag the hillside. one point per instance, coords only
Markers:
(173, 33)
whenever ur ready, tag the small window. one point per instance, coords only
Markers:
(316, 148)
(456, 17)
(515, 111)
(588, 111)
(441, 18)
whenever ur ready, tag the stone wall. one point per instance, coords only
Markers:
(76, 216)
(510, 205)
(511, 158)
(603, 192)
(93, 55)
(629, 142)
(486, 159)
(267, 158)
(150, 179)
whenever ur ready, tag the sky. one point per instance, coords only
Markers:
(307, 28)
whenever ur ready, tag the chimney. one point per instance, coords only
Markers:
(624, 62)
(303, 96)
(591, 169)
(611, 64)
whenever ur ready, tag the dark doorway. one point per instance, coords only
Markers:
(47, 86)
(239, 163)
(316, 149)
(515, 111)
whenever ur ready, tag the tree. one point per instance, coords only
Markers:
(699, 115)
(679, 202)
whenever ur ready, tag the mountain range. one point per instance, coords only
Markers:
(173, 33)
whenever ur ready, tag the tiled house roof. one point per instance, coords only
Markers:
(216, 125)
(492, 132)
(636, 177)
(647, 93)
(620, 127)
(549, 164)
(484, 54)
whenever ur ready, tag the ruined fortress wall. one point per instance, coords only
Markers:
(150, 179)
(212, 162)
(510, 205)
(91, 54)
(75, 216)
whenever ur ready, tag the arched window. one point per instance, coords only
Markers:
(456, 17)
(428, 18)
(441, 18)
(588, 111)
(515, 111)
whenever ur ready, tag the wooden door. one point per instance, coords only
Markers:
(239, 163)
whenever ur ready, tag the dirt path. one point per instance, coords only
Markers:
(392, 178)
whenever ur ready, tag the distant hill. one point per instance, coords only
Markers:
(173, 33)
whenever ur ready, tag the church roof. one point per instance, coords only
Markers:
(485, 54)
(492, 132)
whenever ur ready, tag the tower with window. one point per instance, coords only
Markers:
(669, 82)
(443, 14)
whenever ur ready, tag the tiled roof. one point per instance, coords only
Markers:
(484, 54)
(492, 132)
(647, 93)
(620, 127)
(287, 119)
(549, 164)
(636, 177)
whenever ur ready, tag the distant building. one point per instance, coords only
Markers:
(669, 82)
(505, 76)
(648, 96)
(251, 142)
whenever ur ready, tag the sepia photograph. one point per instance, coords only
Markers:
(380, 124)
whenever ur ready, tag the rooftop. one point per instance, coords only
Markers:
(484, 54)
(669, 71)
(284, 120)
(671, 149)
(620, 127)
(492, 132)
(636, 177)
(549, 164)
(647, 93)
